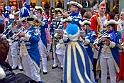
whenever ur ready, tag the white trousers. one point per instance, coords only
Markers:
(15, 53)
(30, 68)
(42, 49)
(107, 64)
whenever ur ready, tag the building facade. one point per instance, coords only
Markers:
(113, 5)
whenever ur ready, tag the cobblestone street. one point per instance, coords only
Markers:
(54, 75)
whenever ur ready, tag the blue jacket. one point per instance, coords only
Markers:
(115, 36)
(43, 32)
(76, 17)
(32, 44)
(53, 26)
(90, 35)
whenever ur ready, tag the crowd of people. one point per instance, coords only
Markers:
(88, 44)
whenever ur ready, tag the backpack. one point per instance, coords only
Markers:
(10, 76)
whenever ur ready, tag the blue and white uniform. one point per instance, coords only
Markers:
(109, 56)
(60, 52)
(30, 54)
(76, 17)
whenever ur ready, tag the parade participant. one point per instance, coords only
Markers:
(75, 12)
(107, 45)
(29, 46)
(6, 73)
(97, 24)
(95, 9)
(88, 38)
(7, 12)
(11, 16)
(120, 28)
(60, 44)
(2, 18)
(55, 24)
(76, 62)
(15, 26)
(44, 24)
(97, 21)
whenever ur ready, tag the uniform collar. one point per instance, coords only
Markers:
(75, 13)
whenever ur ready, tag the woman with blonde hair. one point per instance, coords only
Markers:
(87, 15)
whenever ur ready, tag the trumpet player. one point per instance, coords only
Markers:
(88, 39)
(109, 52)
(43, 42)
(15, 47)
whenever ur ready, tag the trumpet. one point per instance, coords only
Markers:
(14, 23)
(36, 22)
(102, 38)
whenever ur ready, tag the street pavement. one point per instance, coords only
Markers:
(54, 75)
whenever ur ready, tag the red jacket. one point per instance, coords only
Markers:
(95, 24)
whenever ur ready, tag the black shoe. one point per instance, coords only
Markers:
(15, 68)
(44, 73)
(21, 69)
(62, 81)
(51, 50)
(40, 82)
(55, 67)
(61, 68)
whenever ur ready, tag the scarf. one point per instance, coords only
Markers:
(75, 13)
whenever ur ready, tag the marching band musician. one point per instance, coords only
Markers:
(55, 24)
(75, 12)
(76, 61)
(60, 43)
(44, 24)
(88, 38)
(29, 46)
(108, 50)
(2, 18)
(15, 26)
(97, 24)
(120, 28)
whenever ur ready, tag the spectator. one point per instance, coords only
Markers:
(83, 11)
(94, 3)
(112, 15)
(47, 6)
(59, 5)
(86, 4)
(116, 17)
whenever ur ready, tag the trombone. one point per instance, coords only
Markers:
(6, 31)
(16, 35)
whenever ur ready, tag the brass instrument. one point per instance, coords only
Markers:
(14, 37)
(14, 23)
(102, 38)
(5, 33)
(36, 22)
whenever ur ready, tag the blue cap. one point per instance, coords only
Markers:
(24, 12)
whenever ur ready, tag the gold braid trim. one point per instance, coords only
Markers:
(120, 46)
